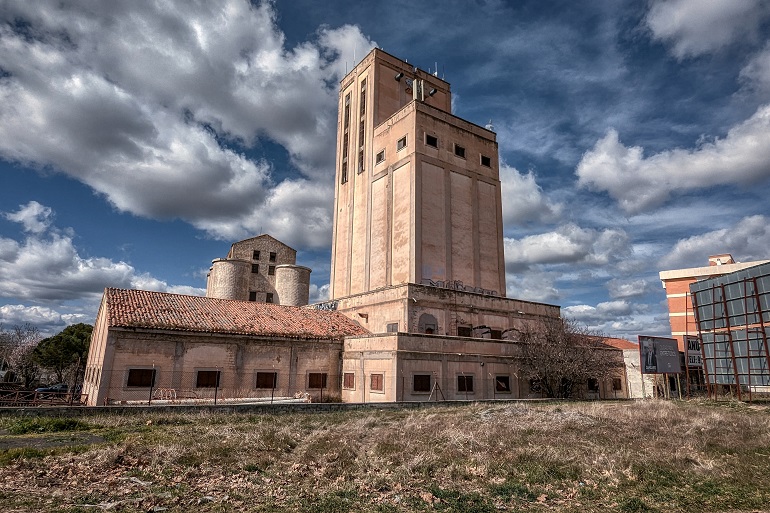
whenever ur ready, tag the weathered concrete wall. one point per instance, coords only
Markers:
(292, 284)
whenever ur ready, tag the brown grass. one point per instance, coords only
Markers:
(601, 456)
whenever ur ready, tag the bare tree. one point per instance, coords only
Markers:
(17, 346)
(561, 356)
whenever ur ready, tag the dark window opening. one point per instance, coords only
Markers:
(141, 378)
(316, 380)
(255, 255)
(348, 380)
(459, 151)
(464, 331)
(486, 161)
(392, 327)
(401, 144)
(617, 384)
(272, 256)
(502, 384)
(431, 141)
(267, 379)
(593, 385)
(271, 270)
(254, 268)
(253, 295)
(377, 382)
(465, 383)
(207, 379)
(363, 97)
(496, 334)
(360, 161)
(380, 157)
(421, 383)
(344, 173)
(347, 110)
(269, 297)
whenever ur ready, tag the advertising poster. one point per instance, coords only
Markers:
(693, 352)
(659, 355)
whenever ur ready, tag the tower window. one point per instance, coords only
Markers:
(255, 255)
(380, 157)
(459, 151)
(271, 270)
(269, 297)
(253, 295)
(431, 141)
(361, 161)
(486, 161)
(344, 174)
(401, 144)
(255, 268)
(272, 256)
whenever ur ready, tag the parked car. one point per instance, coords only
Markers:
(59, 388)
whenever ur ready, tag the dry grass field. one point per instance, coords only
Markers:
(586, 457)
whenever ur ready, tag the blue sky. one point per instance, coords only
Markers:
(138, 140)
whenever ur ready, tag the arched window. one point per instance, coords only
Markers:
(427, 324)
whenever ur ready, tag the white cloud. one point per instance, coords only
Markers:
(568, 244)
(607, 311)
(35, 217)
(756, 73)
(747, 240)
(622, 289)
(639, 183)
(144, 102)
(47, 266)
(318, 294)
(695, 27)
(534, 285)
(523, 199)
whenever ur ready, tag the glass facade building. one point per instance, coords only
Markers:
(733, 317)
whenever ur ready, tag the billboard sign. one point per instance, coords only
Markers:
(659, 355)
(693, 352)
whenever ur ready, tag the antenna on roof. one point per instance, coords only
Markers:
(435, 72)
(490, 126)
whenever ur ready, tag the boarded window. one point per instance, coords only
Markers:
(392, 327)
(207, 379)
(141, 378)
(348, 380)
(267, 379)
(486, 161)
(316, 380)
(459, 151)
(502, 383)
(465, 383)
(431, 141)
(376, 383)
(421, 383)
(464, 331)
(401, 144)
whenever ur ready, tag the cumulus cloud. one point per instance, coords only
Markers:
(640, 183)
(534, 285)
(568, 244)
(153, 104)
(622, 289)
(603, 312)
(46, 266)
(695, 27)
(756, 74)
(35, 217)
(747, 240)
(318, 294)
(523, 199)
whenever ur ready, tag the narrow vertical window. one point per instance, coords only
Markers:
(345, 140)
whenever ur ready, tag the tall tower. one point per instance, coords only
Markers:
(417, 194)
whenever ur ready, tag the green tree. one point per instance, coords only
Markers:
(65, 353)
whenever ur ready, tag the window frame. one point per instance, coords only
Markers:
(266, 375)
(421, 377)
(377, 382)
(434, 138)
(323, 376)
(254, 268)
(506, 388)
(488, 161)
(207, 372)
(348, 376)
(153, 377)
(401, 144)
(271, 270)
(389, 327)
(255, 254)
(252, 295)
(380, 157)
(269, 298)
(459, 151)
(467, 384)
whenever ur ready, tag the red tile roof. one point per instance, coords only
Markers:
(159, 310)
(619, 343)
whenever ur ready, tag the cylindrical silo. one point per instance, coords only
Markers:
(229, 279)
(292, 283)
